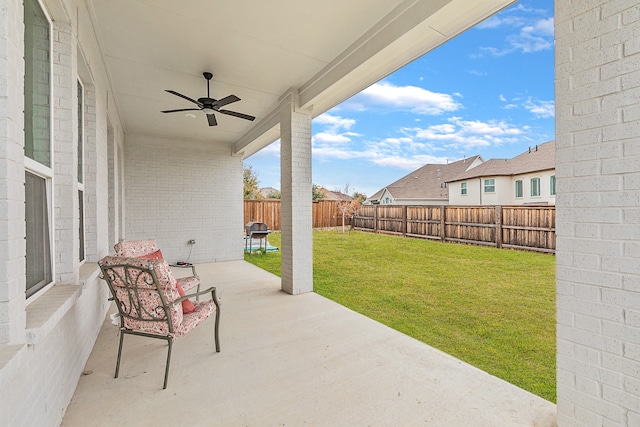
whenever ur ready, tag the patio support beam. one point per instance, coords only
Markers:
(295, 170)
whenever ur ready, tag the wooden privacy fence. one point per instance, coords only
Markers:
(518, 227)
(325, 213)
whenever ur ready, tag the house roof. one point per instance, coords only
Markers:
(321, 52)
(335, 195)
(265, 191)
(538, 158)
(427, 181)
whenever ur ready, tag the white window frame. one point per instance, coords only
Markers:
(463, 189)
(535, 180)
(46, 172)
(82, 243)
(552, 185)
(485, 185)
(520, 194)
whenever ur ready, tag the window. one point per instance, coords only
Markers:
(387, 201)
(535, 187)
(81, 171)
(37, 84)
(552, 185)
(519, 191)
(463, 188)
(490, 185)
(38, 262)
(37, 147)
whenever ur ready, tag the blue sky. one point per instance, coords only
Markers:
(488, 91)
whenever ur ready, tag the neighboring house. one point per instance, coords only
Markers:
(424, 186)
(267, 191)
(528, 179)
(335, 195)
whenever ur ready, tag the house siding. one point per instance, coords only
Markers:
(598, 215)
(505, 193)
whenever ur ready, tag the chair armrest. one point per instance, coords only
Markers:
(212, 289)
(193, 267)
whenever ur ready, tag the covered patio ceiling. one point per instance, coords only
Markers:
(326, 51)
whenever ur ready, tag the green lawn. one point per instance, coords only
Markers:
(494, 309)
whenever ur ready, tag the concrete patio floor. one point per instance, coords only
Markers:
(290, 361)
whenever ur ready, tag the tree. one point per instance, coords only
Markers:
(347, 207)
(275, 194)
(361, 197)
(250, 179)
(316, 192)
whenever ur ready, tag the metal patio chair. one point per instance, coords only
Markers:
(149, 304)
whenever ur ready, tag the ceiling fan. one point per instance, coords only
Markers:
(209, 105)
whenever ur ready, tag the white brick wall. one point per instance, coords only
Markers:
(12, 229)
(598, 208)
(38, 380)
(296, 208)
(65, 155)
(179, 190)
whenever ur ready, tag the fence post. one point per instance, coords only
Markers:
(404, 220)
(499, 227)
(443, 228)
(375, 219)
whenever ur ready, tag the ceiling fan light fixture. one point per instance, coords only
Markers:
(207, 110)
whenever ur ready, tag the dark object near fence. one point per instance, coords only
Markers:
(255, 230)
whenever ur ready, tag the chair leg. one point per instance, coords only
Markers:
(119, 354)
(166, 371)
(216, 329)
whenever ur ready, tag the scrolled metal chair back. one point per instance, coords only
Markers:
(138, 295)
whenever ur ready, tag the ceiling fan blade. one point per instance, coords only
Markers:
(226, 100)
(181, 109)
(236, 114)
(212, 120)
(184, 97)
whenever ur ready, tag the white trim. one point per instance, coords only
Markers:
(43, 171)
(80, 141)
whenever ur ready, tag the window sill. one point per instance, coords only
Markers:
(45, 312)
(89, 271)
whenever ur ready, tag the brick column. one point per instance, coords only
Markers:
(12, 225)
(65, 125)
(297, 220)
(598, 212)
(90, 174)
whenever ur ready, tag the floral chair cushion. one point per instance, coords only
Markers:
(149, 249)
(138, 295)
(136, 248)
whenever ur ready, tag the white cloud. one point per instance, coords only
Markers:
(469, 134)
(541, 109)
(334, 122)
(409, 98)
(409, 163)
(336, 129)
(413, 147)
(502, 98)
(331, 138)
(534, 33)
(533, 38)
